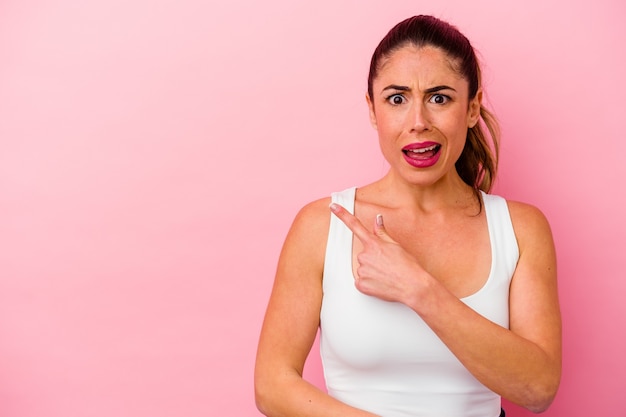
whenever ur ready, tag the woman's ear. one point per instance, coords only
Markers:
(370, 105)
(473, 113)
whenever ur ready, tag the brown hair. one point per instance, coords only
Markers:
(478, 162)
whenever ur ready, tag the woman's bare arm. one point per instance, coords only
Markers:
(291, 323)
(523, 363)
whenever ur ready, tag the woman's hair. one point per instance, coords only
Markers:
(478, 162)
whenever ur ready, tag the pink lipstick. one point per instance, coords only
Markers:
(422, 154)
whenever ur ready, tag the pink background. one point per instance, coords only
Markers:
(154, 153)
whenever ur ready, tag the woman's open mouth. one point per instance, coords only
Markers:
(422, 155)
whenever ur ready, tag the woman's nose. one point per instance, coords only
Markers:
(420, 118)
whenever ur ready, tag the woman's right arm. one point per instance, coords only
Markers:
(291, 323)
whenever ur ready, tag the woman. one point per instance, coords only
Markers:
(433, 297)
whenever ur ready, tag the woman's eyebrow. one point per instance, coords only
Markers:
(439, 88)
(396, 87)
(428, 90)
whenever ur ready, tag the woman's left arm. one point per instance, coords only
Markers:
(522, 363)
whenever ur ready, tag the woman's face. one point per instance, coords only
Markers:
(421, 110)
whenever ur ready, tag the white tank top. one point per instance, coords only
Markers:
(382, 357)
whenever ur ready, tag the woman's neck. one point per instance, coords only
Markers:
(448, 193)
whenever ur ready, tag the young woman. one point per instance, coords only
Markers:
(433, 297)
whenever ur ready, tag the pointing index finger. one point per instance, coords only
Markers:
(351, 222)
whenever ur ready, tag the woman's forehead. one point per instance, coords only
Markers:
(425, 62)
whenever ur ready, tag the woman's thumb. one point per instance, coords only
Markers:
(380, 229)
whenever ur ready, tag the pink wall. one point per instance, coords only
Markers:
(153, 154)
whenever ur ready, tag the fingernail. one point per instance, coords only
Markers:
(379, 220)
(334, 207)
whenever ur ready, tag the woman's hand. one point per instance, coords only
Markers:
(521, 363)
(385, 270)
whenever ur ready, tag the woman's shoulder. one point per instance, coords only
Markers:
(317, 212)
(305, 245)
(524, 213)
(311, 223)
(529, 223)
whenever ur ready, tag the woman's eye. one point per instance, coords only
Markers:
(439, 99)
(396, 99)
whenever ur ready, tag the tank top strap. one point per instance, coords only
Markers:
(501, 233)
(338, 260)
(345, 198)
